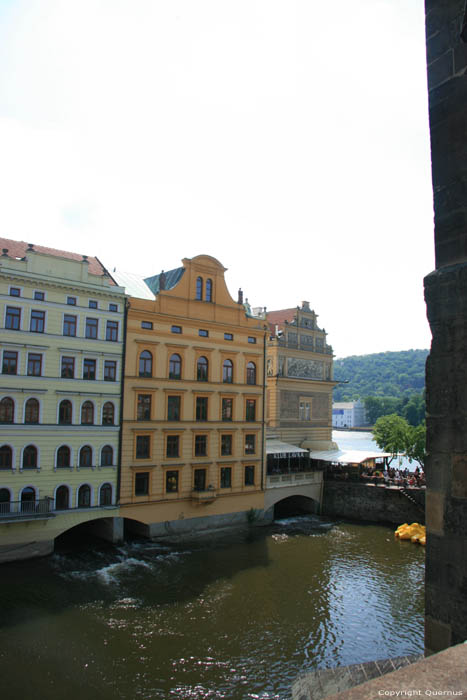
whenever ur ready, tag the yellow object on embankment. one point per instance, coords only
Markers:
(414, 533)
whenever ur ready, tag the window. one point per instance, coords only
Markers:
(143, 447)
(208, 290)
(199, 288)
(10, 362)
(175, 367)
(250, 410)
(39, 296)
(251, 373)
(92, 327)
(85, 456)
(6, 457)
(201, 408)
(226, 445)
(199, 480)
(7, 410)
(69, 325)
(201, 445)
(13, 318)
(34, 364)
(62, 498)
(203, 333)
(31, 411)
(227, 409)
(143, 409)
(176, 329)
(84, 496)
(68, 367)
(107, 456)
(110, 371)
(249, 476)
(145, 364)
(171, 481)
(252, 339)
(15, 292)
(172, 446)
(5, 498)
(141, 483)
(228, 336)
(63, 457)
(30, 457)
(111, 331)
(89, 369)
(226, 477)
(113, 307)
(71, 301)
(147, 325)
(173, 407)
(202, 369)
(37, 324)
(65, 411)
(108, 413)
(93, 304)
(304, 410)
(28, 500)
(87, 413)
(250, 444)
(105, 495)
(227, 372)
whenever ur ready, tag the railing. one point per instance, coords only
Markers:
(293, 478)
(26, 510)
(207, 496)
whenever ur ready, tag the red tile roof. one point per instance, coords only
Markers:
(281, 316)
(18, 249)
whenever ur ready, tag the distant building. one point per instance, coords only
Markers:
(349, 414)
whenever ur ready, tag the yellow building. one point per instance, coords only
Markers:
(193, 432)
(61, 348)
(299, 379)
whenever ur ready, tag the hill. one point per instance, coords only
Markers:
(383, 374)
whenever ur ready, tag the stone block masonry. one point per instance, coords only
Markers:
(372, 503)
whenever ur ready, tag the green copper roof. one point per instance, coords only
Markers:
(172, 277)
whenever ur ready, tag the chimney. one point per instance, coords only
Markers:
(4, 252)
(162, 281)
(240, 296)
(30, 247)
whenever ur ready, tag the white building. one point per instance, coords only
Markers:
(349, 414)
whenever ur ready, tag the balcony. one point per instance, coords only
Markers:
(207, 496)
(13, 511)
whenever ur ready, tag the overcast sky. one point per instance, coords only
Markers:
(289, 139)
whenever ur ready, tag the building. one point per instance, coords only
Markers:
(349, 414)
(299, 379)
(61, 353)
(193, 431)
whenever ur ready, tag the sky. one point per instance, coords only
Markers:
(287, 138)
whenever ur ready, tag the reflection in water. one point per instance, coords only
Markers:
(235, 617)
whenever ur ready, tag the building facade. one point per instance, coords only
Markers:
(299, 379)
(61, 353)
(193, 430)
(348, 414)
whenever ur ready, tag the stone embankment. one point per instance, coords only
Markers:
(379, 504)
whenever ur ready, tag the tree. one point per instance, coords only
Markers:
(391, 434)
(416, 444)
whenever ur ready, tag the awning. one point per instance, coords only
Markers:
(283, 449)
(347, 456)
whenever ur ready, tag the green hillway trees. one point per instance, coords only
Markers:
(394, 434)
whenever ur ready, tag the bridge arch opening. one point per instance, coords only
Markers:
(295, 505)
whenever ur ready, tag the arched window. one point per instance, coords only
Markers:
(202, 369)
(208, 290)
(85, 456)
(175, 367)
(65, 412)
(31, 411)
(7, 410)
(227, 372)
(6, 457)
(5, 499)
(62, 498)
(84, 496)
(145, 364)
(108, 413)
(28, 500)
(251, 373)
(87, 413)
(199, 288)
(63, 456)
(30, 457)
(107, 456)
(105, 495)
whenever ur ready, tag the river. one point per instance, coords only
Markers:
(235, 617)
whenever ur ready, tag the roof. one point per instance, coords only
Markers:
(281, 449)
(343, 404)
(19, 249)
(347, 456)
(172, 277)
(135, 285)
(281, 316)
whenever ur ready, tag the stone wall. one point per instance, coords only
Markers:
(373, 503)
